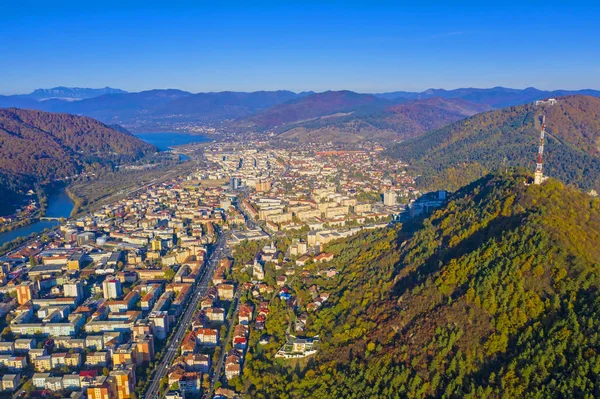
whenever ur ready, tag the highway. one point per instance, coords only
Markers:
(185, 320)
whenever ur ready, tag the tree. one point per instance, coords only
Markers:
(169, 273)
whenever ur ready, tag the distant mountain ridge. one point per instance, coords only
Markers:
(226, 104)
(497, 97)
(71, 93)
(164, 109)
(159, 107)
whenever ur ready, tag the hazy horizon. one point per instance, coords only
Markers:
(300, 91)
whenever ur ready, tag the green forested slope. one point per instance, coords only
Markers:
(463, 151)
(494, 296)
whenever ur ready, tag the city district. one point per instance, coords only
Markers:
(169, 292)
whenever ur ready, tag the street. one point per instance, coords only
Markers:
(185, 320)
(224, 342)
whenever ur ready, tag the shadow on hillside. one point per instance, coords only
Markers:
(442, 255)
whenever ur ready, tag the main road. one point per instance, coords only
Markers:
(185, 320)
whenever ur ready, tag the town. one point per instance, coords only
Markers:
(164, 292)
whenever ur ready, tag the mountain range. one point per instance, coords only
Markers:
(496, 97)
(455, 154)
(273, 111)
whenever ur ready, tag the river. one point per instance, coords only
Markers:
(165, 141)
(59, 205)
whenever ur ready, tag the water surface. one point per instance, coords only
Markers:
(59, 205)
(166, 141)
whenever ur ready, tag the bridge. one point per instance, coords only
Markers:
(51, 218)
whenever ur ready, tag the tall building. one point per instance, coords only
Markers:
(124, 378)
(390, 198)
(263, 186)
(124, 355)
(160, 322)
(75, 260)
(157, 244)
(144, 345)
(103, 388)
(25, 292)
(74, 289)
(112, 288)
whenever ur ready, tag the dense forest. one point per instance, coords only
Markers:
(466, 150)
(493, 296)
(38, 147)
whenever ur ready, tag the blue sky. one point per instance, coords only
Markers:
(364, 46)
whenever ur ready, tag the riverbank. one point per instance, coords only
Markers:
(59, 205)
(26, 218)
(78, 202)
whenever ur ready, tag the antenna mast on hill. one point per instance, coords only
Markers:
(539, 167)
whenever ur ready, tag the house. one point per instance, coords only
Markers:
(207, 302)
(191, 382)
(207, 336)
(73, 360)
(301, 261)
(240, 331)
(298, 347)
(197, 362)
(232, 366)
(281, 281)
(215, 314)
(188, 343)
(59, 359)
(324, 257)
(24, 345)
(226, 291)
(245, 313)
(240, 343)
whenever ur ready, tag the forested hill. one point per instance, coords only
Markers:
(494, 296)
(385, 123)
(463, 151)
(38, 146)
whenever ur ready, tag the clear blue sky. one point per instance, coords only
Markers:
(369, 46)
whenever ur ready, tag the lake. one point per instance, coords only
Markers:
(165, 141)
(59, 205)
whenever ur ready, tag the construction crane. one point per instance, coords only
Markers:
(539, 167)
